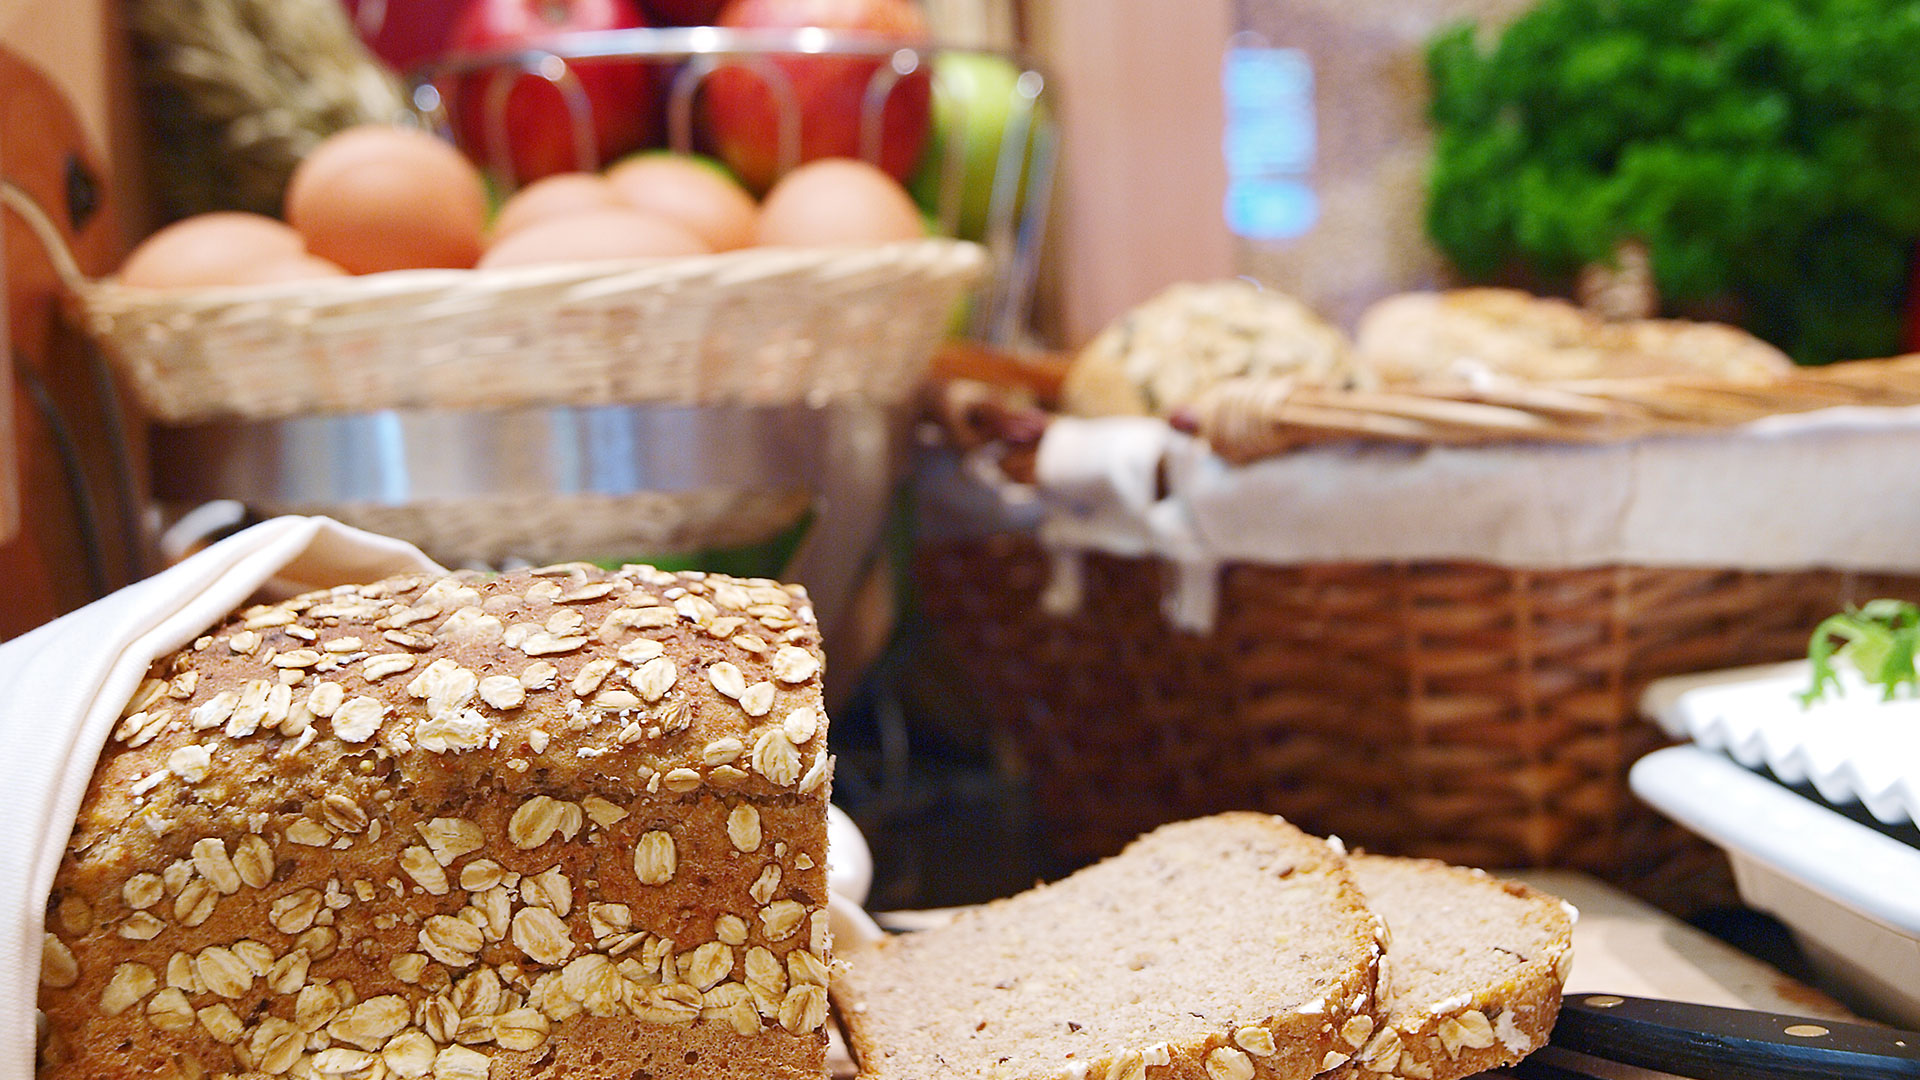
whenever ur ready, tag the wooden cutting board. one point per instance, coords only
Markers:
(1624, 946)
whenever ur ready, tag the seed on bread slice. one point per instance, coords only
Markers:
(1224, 948)
(1473, 970)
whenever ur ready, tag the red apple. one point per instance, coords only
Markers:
(537, 124)
(1910, 339)
(684, 12)
(405, 33)
(741, 110)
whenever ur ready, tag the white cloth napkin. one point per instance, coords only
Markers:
(1837, 489)
(62, 687)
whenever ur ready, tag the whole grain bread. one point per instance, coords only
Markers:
(1471, 335)
(1223, 948)
(556, 822)
(1473, 971)
(1165, 352)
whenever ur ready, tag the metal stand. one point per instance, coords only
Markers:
(847, 456)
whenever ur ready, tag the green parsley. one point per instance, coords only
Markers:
(1878, 638)
(1766, 152)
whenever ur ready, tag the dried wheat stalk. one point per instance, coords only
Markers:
(240, 90)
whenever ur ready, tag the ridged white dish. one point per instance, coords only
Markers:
(1850, 894)
(1852, 747)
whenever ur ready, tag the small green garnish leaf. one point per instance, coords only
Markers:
(1878, 639)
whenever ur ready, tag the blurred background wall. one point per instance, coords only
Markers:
(64, 139)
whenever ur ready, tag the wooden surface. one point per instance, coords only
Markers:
(9, 453)
(1623, 946)
(65, 96)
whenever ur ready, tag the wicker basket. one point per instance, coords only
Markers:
(1469, 712)
(755, 327)
(759, 327)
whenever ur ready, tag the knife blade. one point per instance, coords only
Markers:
(1709, 1042)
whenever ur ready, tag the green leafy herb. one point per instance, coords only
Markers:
(1879, 639)
(1766, 152)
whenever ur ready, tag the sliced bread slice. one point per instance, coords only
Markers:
(1473, 970)
(1224, 948)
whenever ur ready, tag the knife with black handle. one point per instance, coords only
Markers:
(1707, 1042)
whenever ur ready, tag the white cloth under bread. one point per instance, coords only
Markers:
(1836, 489)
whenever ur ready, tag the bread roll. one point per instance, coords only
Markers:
(556, 822)
(1470, 335)
(1164, 353)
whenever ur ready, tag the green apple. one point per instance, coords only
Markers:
(975, 95)
(718, 167)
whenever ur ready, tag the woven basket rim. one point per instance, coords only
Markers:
(756, 325)
(1249, 418)
(951, 256)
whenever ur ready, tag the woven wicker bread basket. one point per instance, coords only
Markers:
(1480, 714)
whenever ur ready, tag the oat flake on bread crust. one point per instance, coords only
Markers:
(1475, 969)
(559, 820)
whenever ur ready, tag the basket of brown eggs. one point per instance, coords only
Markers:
(575, 211)
(391, 285)
(1405, 586)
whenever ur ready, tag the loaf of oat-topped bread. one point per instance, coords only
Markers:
(562, 822)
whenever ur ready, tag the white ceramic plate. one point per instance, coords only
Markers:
(1850, 894)
(1851, 747)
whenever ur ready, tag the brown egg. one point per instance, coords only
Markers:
(691, 193)
(553, 196)
(375, 198)
(220, 248)
(838, 202)
(591, 236)
(301, 267)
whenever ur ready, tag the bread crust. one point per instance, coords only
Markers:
(463, 827)
(1166, 352)
(1495, 1025)
(1467, 334)
(1291, 1044)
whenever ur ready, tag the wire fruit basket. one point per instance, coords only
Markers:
(991, 184)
